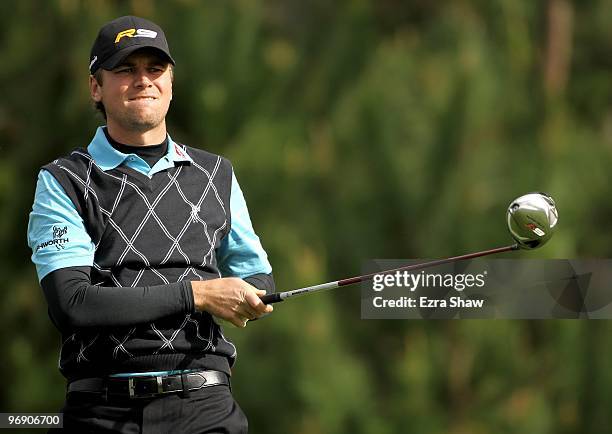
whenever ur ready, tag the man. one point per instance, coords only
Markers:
(131, 237)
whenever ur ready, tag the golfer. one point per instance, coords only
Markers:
(140, 243)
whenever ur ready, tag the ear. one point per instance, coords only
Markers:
(94, 89)
(171, 80)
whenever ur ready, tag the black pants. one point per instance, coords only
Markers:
(208, 410)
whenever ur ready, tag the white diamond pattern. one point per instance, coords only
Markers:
(120, 344)
(193, 218)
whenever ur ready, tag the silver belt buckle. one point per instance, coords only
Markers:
(131, 387)
(160, 390)
(132, 392)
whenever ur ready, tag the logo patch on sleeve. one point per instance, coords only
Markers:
(57, 241)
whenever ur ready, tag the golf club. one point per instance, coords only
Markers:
(531, 218)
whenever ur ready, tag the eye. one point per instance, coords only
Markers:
(123, 70)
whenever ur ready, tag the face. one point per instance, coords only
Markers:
(137, 93)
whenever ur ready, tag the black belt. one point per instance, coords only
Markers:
(149, 386)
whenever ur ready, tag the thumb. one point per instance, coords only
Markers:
(260, 292)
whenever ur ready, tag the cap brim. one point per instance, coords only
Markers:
(116, 59)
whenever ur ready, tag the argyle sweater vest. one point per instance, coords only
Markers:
(149, 231)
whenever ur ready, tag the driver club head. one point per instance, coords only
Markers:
(532, 219)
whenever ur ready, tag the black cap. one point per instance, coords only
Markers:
(121, 37)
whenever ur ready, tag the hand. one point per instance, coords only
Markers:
(229, 298)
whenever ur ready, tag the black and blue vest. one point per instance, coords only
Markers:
(149, 231)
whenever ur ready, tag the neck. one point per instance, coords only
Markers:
(136, 138)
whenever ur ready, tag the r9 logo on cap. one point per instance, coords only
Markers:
(143, 33)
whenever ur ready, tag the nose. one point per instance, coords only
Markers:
(142, 80)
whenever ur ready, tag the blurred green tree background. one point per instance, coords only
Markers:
(358, 130)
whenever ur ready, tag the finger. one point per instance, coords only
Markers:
(261, 293)
(264, 308)
(267, 308)
(246, 311)
(252, 297)
(239, 321)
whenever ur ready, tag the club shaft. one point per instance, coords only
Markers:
(282, 296)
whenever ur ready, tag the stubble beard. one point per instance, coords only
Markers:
(139, 123)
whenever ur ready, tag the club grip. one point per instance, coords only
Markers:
(271, 298)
